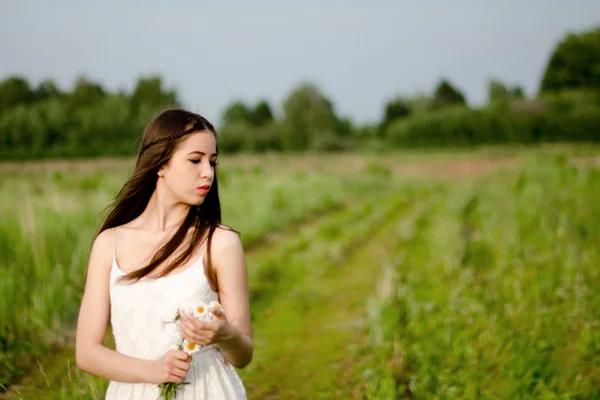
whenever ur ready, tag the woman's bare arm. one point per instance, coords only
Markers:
(228, 257)
(91, 354)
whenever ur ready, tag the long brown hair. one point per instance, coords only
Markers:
(159, 141)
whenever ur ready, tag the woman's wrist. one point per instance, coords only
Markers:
(147, 370)
(235, 346)
(230, 332)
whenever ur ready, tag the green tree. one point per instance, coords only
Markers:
(395, 109)
(344, 127)
(420, 103)
(149, 91)
(498, 92)
(262, 114)
(106, 126)
(13, 92)
(309, 119)
(46, 89)
(86, 92)
(574, 63)
(517, 92)
(447, 95)
(237, 112)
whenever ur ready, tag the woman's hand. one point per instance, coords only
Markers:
(171, 367)
(204, 333)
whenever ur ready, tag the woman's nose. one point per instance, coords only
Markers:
(207, 171)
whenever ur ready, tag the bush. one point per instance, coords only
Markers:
(571, 117)
(564, 117)
(241, 137)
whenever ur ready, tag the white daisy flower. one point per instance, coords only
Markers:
(200, 311)
(190, 347)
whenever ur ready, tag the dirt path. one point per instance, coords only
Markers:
(308, 344)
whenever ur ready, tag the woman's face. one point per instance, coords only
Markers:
(189, 174)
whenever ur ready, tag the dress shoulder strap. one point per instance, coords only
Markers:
(114, 245)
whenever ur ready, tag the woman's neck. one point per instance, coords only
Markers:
(162, 213)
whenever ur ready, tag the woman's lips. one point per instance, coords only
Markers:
(203, 189)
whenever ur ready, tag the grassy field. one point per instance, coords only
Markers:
(404, 275)
(493, 293)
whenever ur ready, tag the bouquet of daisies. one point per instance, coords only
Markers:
(202, 311)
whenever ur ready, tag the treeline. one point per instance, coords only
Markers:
(566, 109)
(44, 121)
(87, 121)
(567, 116)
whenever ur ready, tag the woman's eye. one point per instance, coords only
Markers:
(212, 162)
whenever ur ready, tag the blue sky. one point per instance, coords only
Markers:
(361, 53)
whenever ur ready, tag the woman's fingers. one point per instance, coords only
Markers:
(192, 322)
(193, 326)
(177, 365)
(196, 331)
(188, 334)
(179, 372)
(218, 312)
(185, 366)
(182, 355)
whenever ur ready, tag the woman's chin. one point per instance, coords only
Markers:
(199, 202)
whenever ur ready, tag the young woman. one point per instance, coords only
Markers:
(162, 248)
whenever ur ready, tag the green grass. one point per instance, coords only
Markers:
(314, 254)
(495, 295)
(320, 325)
(376, 286)
(46, 234)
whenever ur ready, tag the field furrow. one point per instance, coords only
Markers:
(311, 337)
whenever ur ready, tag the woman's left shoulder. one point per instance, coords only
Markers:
(227, 250)
(226, 238)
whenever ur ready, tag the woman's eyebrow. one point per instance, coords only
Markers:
(202, 154)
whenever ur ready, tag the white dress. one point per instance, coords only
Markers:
(137, 312)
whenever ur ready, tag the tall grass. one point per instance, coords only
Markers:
(489, 292)
(494, 294)
(47, 222)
